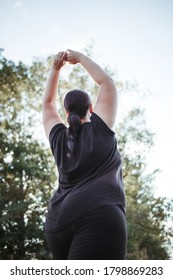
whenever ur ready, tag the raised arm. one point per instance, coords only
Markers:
(106, 104)
(49, 111)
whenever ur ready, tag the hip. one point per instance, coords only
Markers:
(104, 213)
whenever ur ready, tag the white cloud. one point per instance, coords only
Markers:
(17, 3)
(21, 9)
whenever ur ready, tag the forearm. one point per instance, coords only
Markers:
(51, 87)
(94, 70)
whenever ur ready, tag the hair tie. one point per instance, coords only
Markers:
(75, 113)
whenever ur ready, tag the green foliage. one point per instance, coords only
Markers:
(148, 216)
(27, 172)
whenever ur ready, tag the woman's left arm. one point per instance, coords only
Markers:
(49, 110)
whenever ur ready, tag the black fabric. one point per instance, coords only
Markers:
(93, 180)
(99, 235)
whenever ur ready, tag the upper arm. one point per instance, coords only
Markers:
(106, 105)
(50, 117)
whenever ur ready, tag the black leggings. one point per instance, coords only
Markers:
(100, 235)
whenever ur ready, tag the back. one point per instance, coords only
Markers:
(92, 180)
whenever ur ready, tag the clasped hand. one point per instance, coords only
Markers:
(70, 56)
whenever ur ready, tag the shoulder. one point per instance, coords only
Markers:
(101, 125)
(56, 132)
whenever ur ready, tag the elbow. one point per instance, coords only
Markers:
(108, 84)
(107, 81)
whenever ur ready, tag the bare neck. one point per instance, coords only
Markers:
(87, 118)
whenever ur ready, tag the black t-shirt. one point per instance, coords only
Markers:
(92, 180)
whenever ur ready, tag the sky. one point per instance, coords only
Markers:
(135, 37)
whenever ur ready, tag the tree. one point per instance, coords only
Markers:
(148, 216)
(26, 170)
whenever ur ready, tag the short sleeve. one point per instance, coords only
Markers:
(55, 135)
(101, 125)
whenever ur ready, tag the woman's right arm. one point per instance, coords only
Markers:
(106, 104)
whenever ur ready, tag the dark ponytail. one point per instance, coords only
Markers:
(76, 103)
(74, 122)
